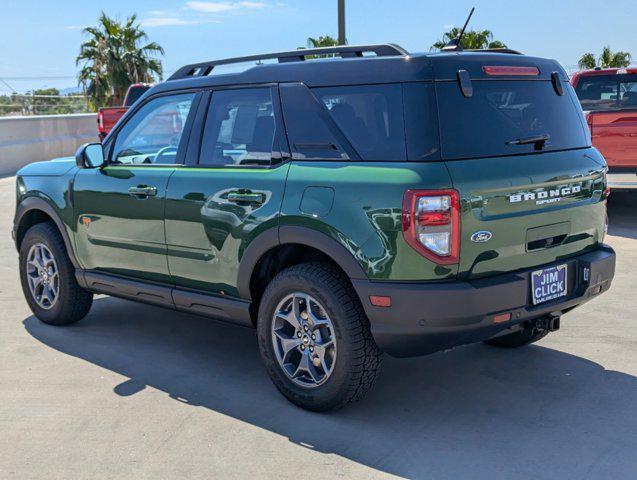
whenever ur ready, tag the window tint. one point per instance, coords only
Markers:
(607, 92)
(134, 93)
(239, 128)
(503, 111)
(311, 132)
(421, 122)
(370, 116)
(153, 133)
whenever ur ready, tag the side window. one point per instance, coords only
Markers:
(153, 133)
(312, 134)
(239, 128)
(370, 116)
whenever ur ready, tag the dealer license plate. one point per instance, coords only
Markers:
(548, 284)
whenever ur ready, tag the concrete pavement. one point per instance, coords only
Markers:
(134, 391)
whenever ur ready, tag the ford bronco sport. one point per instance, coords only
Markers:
(372, 202)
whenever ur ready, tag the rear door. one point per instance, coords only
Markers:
(229, 191)
(518, 153)
(119, 209)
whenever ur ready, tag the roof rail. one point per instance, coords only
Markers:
(344, 51)
(494, 50)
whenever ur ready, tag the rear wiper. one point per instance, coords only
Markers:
(538, 141)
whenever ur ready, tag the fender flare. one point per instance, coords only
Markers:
(288, 234)
(35, 203)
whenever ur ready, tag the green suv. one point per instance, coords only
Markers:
(371, 201)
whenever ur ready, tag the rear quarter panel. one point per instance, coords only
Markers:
(359, 204)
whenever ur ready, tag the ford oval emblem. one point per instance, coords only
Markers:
(481, 236)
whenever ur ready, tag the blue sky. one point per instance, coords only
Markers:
(41, 38)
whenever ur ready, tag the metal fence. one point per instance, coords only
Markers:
(17, 104)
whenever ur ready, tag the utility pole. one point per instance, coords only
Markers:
(342, 40)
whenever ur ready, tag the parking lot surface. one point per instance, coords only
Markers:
(134, 391)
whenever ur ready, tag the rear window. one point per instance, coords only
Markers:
(501, 111)
(134, 93)
(607, 92)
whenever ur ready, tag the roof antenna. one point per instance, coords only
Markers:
(454, 43)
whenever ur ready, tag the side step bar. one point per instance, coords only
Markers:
(231, 310)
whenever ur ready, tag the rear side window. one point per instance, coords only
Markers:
(500, 112)
(370, 117)
(607, 92)
(239, 128)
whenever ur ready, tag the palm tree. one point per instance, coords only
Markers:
(113, 57)
(322, 41)
(608, 59)
(471, 40)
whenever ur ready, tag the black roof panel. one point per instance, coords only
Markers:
(366, 70)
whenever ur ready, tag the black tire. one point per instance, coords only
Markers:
(73, 302)
(358, 358)
(518, 339)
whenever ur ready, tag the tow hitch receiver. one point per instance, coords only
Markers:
(551, 323)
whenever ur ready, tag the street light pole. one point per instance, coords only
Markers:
(342, 40)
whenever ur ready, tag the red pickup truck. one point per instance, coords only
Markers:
(609, 100)
(107, 117)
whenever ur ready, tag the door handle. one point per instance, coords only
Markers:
(142, 191)
(247, 197)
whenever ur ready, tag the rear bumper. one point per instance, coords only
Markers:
(428, 317)
(622, 178)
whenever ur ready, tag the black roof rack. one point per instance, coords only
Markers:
(344, 51)
(494, 50)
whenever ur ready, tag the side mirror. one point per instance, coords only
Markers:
(90, 155)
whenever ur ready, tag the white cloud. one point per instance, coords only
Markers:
(252, 4)
(165, 21)
(210, 7)
(197, 13)
(220, 7)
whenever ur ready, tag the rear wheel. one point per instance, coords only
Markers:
(48, 278)
(314, 338)
(518, 339)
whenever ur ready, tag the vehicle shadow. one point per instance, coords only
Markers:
(474, 412)
(622, 214)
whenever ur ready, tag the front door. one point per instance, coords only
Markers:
(119, 209)
(216, 206)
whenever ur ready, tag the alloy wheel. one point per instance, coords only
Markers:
(42, 276)
(304, 340)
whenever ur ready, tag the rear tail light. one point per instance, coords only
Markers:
(100, 122)
(431, 224)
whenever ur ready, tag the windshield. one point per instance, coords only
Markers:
(607, 92)
(506, 117)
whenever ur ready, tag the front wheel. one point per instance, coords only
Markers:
(48, 277)
(314, 338)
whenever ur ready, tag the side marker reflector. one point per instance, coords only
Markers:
(503, 317)
(380, 301)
